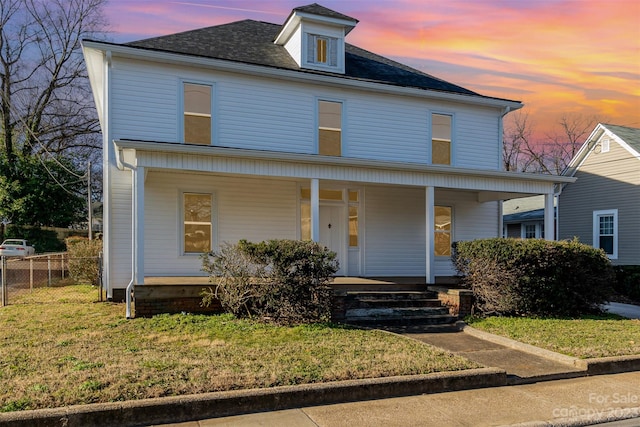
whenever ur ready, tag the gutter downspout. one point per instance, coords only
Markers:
(129, 290)
(106, 177)
(122, 165)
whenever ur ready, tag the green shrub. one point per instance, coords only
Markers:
(628, 281)
(534, 276)
(282, 281)
(84, 260)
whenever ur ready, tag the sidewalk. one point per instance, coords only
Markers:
(571, 402)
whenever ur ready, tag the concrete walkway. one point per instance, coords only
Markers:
(571, 402)
(521, 366)
(624, 310)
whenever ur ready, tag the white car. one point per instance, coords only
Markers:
(16, 247)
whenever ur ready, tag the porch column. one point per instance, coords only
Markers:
(549, 223)
(315, 209)
(138, 221)
(430, 235)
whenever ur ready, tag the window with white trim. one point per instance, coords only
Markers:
(605, 144)
(605, 231)
(441, 139)
(197, 230)
(329, 128)
(197, 114)
(529, 231)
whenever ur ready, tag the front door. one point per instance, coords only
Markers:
(332, 233)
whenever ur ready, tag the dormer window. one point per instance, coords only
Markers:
(322, 50)
(314, 37)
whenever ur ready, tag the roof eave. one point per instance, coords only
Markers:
(135, 52)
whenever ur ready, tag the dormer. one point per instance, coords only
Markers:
(314, 37)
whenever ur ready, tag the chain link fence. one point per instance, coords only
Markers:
(22, 277)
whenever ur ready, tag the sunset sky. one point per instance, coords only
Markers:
(572, 57)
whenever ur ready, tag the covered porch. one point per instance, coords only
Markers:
(422, 187)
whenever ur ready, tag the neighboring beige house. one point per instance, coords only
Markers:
(602, 208)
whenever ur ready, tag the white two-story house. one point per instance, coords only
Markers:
(251, 130)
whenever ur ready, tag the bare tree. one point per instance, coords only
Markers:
(550, 155)
(520, 152)
(565, 143)
(46, 103)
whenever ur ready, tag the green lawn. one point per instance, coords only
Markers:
(586, 337)
(58, 346)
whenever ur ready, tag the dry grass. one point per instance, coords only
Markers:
(74, 350)
(586, 337)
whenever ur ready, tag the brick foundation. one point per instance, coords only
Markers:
(150, 300)
(459, 301)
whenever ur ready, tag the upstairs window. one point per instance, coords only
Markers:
(605, 145)
(197, 114)
(322, 50)
(440, 139)
(329, 128)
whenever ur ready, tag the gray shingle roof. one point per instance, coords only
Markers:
(317, 9)
(629, 135)
(251, 42)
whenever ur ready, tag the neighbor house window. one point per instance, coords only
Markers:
(322, 50)
(605, 231)
(197, 114)
(442, 230)
(329, 128)
(197, 222)
(605, 145)
(440, 139)
(529, 231)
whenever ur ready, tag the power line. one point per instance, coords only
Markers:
(51, 156)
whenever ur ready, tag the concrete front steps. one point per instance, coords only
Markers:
(406, 311)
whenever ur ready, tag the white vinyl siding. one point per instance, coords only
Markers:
(144, 103)
(271, 114)
(395, 228)
(249, 209)
(477, 139)
(294, 45)
(120, 229)
(395, 231)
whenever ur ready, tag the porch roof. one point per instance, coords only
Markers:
(490, 184)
